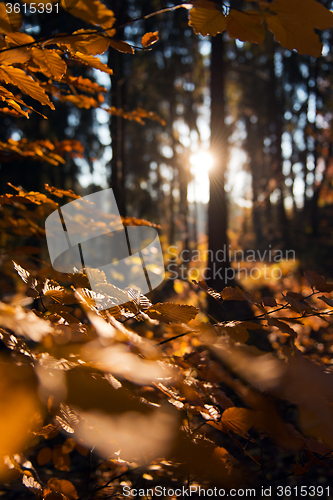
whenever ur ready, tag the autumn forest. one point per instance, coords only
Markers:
(166, 235)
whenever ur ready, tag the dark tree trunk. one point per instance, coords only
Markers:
(116, 62)
(217, 210)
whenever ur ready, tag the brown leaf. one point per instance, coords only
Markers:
(63, 486)
(238, 420)
(236, 330)
(169, 312)
(283, 327)
(61, 460)
(230, 293)
(68, 445)
(44, 456)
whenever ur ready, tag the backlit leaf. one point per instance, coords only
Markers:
(80, 41)
(230, 293)
(92, 61)
(169, 312)
(31, 483)
(246, 26)
(238, 420)
(121, 46)
(149, 39)
(9, 21)
(90, 11)
(14, 56)
(293, 24)
(14, 39)
(49, 62)
(17, 77)
(206, 19)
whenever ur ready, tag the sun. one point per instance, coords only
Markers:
(201, 161)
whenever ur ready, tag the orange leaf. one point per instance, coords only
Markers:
(238, 420)
(121, 46)
(17, 77)
(14, 56)
(63, 486)
(49, 62)
(9, 22)
(92, 61)
(149, 39)
(91, 11)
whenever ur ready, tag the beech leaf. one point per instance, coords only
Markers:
(205, 19)
(149, 39)
(169, 312)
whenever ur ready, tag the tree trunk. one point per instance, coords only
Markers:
(116, 62)
(218, 262)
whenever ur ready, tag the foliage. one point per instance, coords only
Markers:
(153, 388)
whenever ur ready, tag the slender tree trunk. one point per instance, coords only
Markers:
(218, 263)
(116, 62)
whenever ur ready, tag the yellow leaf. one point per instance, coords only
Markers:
(246, 26)
(149, 39)
(293, 24)
(92, 61)
(14, 56)
(17, 77)
(9, 22)
(91, 11)
(49, 62)
(121, 46)
(205, 19)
